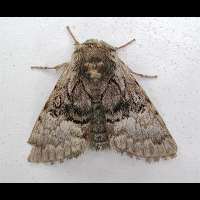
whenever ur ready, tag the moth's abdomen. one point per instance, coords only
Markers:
(98, 130)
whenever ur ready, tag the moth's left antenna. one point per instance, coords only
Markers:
(72, 35)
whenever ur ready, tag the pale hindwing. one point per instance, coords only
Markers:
(55, 135)
(137, 128)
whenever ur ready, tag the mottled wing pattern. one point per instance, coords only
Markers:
(136, 127)
(59, 130)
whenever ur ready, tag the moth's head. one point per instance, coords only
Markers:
(99, 44)
(95, 59)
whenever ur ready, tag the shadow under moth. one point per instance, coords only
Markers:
(98, 104)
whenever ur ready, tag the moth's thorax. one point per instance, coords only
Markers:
(94, 60)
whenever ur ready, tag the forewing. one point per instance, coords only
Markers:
(135, 125)
(59, 132)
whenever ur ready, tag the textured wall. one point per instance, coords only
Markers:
(168, 47)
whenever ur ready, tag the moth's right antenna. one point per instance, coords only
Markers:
(72, 35)
(124, 45)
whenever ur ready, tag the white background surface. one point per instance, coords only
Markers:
(168, 47)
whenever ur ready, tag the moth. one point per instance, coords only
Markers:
(98, 104)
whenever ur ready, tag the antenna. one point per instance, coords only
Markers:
(72, 35)
(124, 45)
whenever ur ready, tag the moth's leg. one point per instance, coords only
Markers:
(142, 75)
(57, 67)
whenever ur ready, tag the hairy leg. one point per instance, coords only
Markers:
(57, 67)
